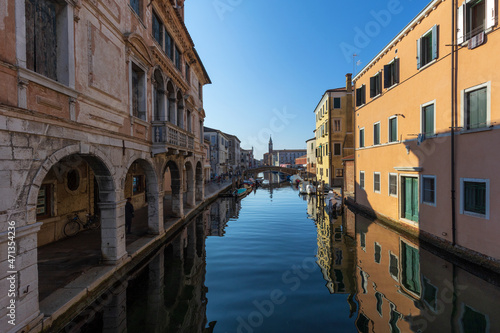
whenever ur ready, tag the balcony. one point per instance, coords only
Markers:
(172, 139)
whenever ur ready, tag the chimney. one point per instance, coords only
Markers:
(348, 82)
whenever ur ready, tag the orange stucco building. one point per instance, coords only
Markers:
(426, 124)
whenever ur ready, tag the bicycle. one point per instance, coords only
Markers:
(75, 224)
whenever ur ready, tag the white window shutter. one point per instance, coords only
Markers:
(434, 42)
(461, 24)
(418, 53)
(490, 14)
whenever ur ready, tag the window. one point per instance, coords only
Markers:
(429, 292)
(376, 182)
(327, 125)
(391, 73)
(427, 47)
(474, 197)
(378, 250)
(73, 180)
(200, 90)
(361, 138)
(376, 133)
(177, 58)
(428, 119)
(393, 321)
(157, 29)
(48, 46)
(188, 73)
(337, 149)
(43, 204)
(136, 6)
(474, 17)
(360, 95)
(362, 240)
(337, 125)
(169, 46)
(380, 299)
(138, 92)
(393, 129)
(375, 85)
(410, 268)
(336, 103)
(394, 266)
(339, 172)
(189, 121)
(393, 184)
(362, 179)
(212, 139)
(476, 107)
(429, 190)
(473, 321)
(137, 184)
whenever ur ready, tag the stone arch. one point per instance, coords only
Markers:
(111, 208)
(171, 102)
(189, 184)
(159, 113)
(180, 109)
(199, 182)
(154, 204)
(176, 185)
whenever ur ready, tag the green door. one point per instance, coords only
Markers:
(410, 204)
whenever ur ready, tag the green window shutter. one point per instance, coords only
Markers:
(373, 89)
(395, 70)
(429, 120)
(415, 199)
(408, 202)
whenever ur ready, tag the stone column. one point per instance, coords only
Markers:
(177, 201)
(155, 213)
(156, 316)
(190, 192)
(115, 313)
(19, 278)
(113, 246)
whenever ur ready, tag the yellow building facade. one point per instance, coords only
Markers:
(425, 126)
(334, 133)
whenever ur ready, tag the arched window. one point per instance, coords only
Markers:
(159, 96)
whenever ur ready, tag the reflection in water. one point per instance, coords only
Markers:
(385, 281)
(407, 288)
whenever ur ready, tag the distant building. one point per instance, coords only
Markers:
(311, 155)
(247, 159)
(334, 133)
(219, 157)
(206, 165)
(301, 161)
(234, 153)
(282, 157)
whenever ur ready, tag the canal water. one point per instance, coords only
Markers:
(280, 262)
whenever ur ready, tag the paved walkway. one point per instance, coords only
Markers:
(61, 262)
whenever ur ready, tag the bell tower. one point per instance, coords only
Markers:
(270, 145)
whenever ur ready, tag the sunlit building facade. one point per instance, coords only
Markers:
(426, 120)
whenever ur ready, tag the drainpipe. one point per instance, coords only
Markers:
(454, 64)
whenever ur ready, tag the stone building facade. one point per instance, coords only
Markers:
(219, 151)
(99, 101)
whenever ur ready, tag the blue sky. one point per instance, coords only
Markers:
(270, 61)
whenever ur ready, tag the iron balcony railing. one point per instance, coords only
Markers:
(165, 133)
